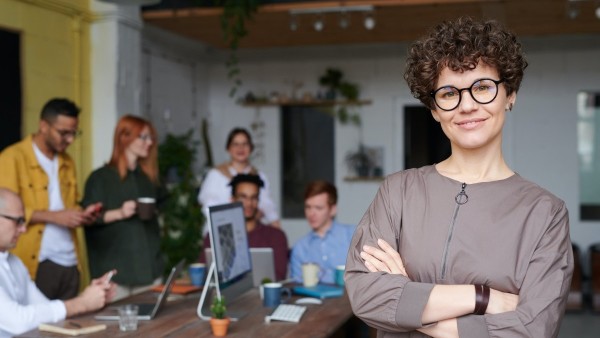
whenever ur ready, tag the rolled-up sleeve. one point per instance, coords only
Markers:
(387, 302)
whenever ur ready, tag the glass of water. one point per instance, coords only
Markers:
(128, 320)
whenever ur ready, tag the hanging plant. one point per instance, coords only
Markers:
(233, 24)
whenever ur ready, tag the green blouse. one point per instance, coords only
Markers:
(131, 246)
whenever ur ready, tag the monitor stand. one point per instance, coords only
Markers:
(230, 293)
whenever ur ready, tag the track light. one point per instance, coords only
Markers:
(344, 16)
(318, 25)
(369, 21)
(573, 8)
(293, 23)
(344, 20)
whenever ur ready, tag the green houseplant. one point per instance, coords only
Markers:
(219, 322)
(181, 217)
(334, 81)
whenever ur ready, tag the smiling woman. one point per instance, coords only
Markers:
(465, 247)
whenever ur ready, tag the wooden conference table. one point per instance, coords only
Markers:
(178, 318)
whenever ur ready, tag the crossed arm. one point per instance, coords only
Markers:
(446, 302)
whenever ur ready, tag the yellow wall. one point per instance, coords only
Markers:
(55, 58)
(55, 62)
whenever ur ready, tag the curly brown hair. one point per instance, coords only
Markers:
(460, 45)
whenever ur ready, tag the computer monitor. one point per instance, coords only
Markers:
(231, 270)
(229, 239)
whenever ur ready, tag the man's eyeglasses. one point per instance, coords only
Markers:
(67, 133)
(482, 91)
(19, 220)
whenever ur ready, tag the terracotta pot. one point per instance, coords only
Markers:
(219, 326)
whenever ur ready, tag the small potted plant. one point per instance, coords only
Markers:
(261, 289)
(360, 162)
(219, 322)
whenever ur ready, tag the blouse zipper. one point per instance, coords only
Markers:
(460, 199)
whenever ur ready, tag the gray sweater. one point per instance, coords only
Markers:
(511, 235)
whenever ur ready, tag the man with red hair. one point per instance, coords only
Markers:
(328, 241)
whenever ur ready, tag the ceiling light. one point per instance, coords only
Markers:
(572, 10)
(318, 25)
(344, 20)
(598, 11)
(369, 21)
(293, 23)
(344, 16)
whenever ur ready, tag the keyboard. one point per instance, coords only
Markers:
(287, 313)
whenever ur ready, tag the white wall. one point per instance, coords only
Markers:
(175, 89)
(540, 135)
(115, 72)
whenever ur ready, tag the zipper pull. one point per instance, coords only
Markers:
(462, 197)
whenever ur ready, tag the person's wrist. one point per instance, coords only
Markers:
(482, 299)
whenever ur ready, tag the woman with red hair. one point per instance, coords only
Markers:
(120, 239)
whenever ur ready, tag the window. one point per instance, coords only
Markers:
(308, 137)
(424, 141)
(588, 148)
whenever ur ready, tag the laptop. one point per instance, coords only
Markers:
(146, 311)
(263, 264)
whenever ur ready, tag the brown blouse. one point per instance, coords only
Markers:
(511, 235)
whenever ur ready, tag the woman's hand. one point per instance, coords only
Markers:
(384, 258)
(128, 209)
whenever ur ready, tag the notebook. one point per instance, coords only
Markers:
(319, 291)
(71, 328)
(146, 311)
(263, 264)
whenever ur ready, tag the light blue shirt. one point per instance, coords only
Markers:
(328, 251)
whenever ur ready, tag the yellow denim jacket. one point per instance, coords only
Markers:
(21, 173)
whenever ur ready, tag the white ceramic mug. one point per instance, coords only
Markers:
(310, 274)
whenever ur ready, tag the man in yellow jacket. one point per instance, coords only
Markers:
(43, 175)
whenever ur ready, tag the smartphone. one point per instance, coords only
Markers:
(110, 275)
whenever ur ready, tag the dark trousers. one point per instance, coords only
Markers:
(57, 281)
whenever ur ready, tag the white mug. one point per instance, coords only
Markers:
(310, 274)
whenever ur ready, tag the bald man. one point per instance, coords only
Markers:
(22, 305)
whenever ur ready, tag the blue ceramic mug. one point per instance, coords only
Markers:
(196, 272)
(339, 274)
(272, 294)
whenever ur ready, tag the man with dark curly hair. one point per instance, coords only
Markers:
(465, 247)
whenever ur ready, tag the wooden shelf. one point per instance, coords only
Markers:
(320, 103)
(364, 178)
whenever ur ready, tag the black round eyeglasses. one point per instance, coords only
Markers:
(482, 91)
